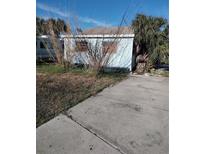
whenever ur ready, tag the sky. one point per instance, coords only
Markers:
(96, 13)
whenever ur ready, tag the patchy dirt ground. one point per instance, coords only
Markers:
(56, 93)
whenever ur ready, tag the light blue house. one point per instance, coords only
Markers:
(119, 40)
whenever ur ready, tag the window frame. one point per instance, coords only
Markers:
(109, 43)
(81, 45)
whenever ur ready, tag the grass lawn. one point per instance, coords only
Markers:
(57, 91)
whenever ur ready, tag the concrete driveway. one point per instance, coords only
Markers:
(131, 117)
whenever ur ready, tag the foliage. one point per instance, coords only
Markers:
(42, 26)
(152, 36)
(53, 28)
(159, 72)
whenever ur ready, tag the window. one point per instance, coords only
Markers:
(82, 46)
(62, 44)
(109, 46)
(42, 46)
(46, 45)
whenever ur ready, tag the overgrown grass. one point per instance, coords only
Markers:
(57, 69)
(57, 90)
(50, 68)
(163, 73)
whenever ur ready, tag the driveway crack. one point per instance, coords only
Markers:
(94, 133)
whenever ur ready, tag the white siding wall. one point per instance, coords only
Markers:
(122, 58)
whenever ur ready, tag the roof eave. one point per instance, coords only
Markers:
(100, 36)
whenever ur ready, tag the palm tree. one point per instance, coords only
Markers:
(152, 38)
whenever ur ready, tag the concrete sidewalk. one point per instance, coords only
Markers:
(130, 118)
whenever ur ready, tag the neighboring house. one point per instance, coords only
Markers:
(44, 49)
(119, 40)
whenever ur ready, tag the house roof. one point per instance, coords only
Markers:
(104, 32)
(108, 31)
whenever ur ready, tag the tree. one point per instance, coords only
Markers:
(42, 26)
(53, 28)
(152, 38)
